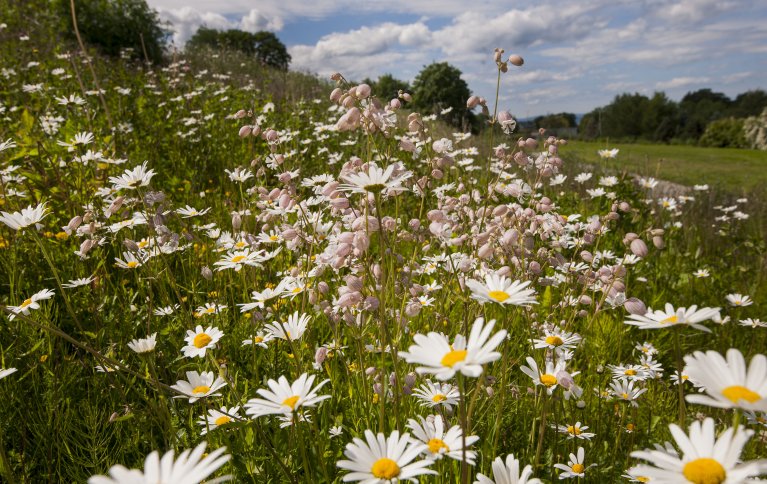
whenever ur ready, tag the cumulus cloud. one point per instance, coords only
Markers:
(186, 20)
(682, 82)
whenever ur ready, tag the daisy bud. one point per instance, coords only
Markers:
(131, 245)
(521, 159)
(658, 242)
(271, 136)
(320, 356)
(516, 60)
(472, 102)
(236, 221)
(486, 251)
(74, 223)
(371, 303)
(363, 91)
(635, 306)
(639, 248)
(240, 114)
(412, 309)
(245, 131)
(207, 273)
(336, 94)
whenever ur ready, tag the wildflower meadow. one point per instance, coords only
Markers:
(214, 271)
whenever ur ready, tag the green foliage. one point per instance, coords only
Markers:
(387, 87)
(264, 46)
(438, 87)
(114, 26)
(724, 133)
(553, 121)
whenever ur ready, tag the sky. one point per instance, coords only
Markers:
(578, 53)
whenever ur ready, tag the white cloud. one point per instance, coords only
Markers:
(186, 20)
(682, 82)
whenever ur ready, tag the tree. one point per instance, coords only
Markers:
(113, 26)
(264, 46)
(699, 108)
(749, 103)
(388, 87)
(554, 121)
(438, 87)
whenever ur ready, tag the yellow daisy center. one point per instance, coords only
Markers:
(548, 380)
(385, 468)
(240, 244)
(296, 290)
(132, 264)
(453, 357)
(438, 398)
(202, 340)
(258, 339)
(736, 393)
(642, 479)
(499, 296)
(222, 420)
(237, 258)
(704, 471)
(26, 303)
(578, 468)
(630, 372)
(435, 445)
(210, 310)
(573, 430)
(554, 340)
(274, 238)
(142, 244)
(670, 320)
(291, 401)
(201, 390)
(625, 396)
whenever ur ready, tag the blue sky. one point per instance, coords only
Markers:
(578, 54)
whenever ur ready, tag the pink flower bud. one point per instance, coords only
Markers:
(363, 91)
(240, 114)
(635, 306)
(516, 60)
(639, 248)
(472, 102)
(336, 94)
(245, 131)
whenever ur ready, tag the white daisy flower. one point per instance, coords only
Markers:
(200, 340)
(376, 180)
(132, 179)
(218, 418)
(501, 290)
(738, 300)
(624, 390)
(189, 468)
(441, 442)
(292, 329)
(576, 431)
(728, 383)
(705, 459)
(437, 395)
(189, 212)
(508, 473)
(84, 281)
(439, 357)
(259, 339)
(286, 398)
(575, 466)
(143, 345)
(198, 385)
(381, 460)
(31, 303)
(673, 317)
(28, 216)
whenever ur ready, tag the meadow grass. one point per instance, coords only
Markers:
(735, 170)
(236, 229)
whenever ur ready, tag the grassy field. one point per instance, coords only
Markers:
(729, 169)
